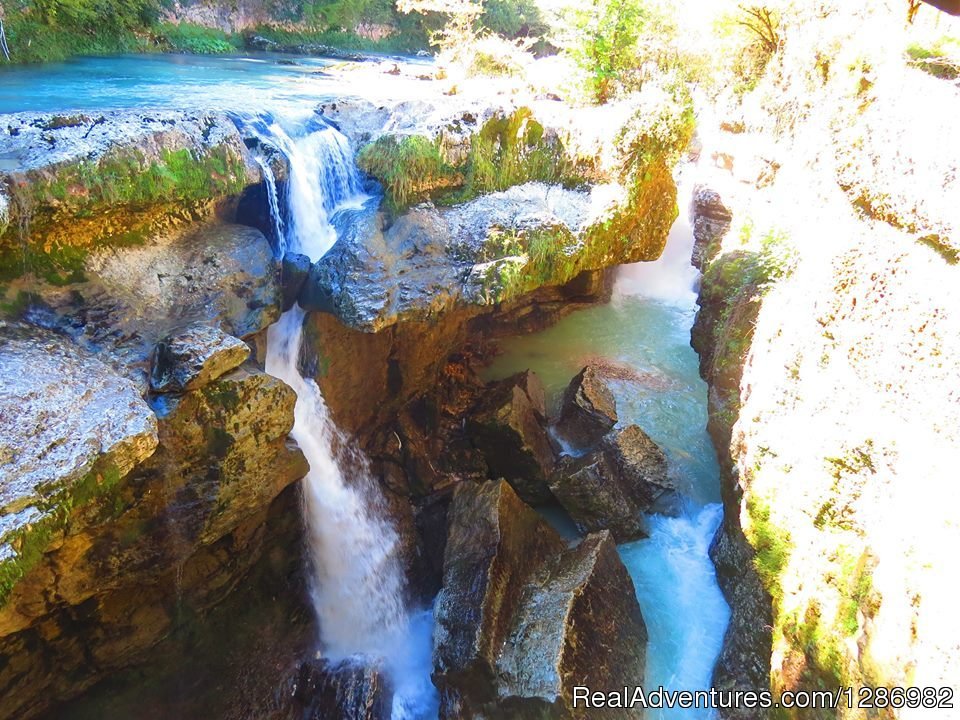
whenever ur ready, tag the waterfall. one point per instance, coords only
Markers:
(357, 583)
(273, 197)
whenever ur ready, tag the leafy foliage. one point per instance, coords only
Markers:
(410, 168)
(196, 39)
(604, 38)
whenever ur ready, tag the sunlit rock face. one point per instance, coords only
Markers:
(521, 618)
(119, 512)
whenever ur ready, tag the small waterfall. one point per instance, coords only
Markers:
(358, 585)
(273, 197)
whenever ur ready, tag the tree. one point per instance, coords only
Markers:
(604, 36)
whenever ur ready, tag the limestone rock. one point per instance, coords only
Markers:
(63, 415)
(494, 543)
(132, 549)
(293, 274)
(192, 358)
(342, 691)
(711, 221)
(579, 624)
(507, 427)
(589, 409)
(612, 486)
(521, 619)
(221, 275)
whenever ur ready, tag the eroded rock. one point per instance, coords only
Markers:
(507, 427)
(589, 409)
(521, 618)
(579, 625)
(612, 486)
(192, 358)
(349, 690)
(293, 273)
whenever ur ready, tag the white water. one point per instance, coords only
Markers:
(358, 588)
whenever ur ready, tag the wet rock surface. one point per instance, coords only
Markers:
(349, 690)
(140, 516)
(588, 410)
(612, 486)
(192, 358)
(293, 273)
(521, 618)
(431, 260)
(507, 427)
(62, 413)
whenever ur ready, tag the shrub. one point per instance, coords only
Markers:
(196, 39)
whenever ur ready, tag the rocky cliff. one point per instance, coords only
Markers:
(825, 331)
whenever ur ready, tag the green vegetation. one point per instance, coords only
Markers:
(30, 540)
(605, 39)
(410, 168)
(508, 150)
(86, 190)
(187, 38)
(771, 543)
(940, 58)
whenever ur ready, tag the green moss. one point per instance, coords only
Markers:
(772, 545)
(940, 58)
(30, 541)
(85, 190)
(508, 150)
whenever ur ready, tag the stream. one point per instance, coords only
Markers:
(643, 332)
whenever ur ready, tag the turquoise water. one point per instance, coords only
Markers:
(189, 82)
(644, 335)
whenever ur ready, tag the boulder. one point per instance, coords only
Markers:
(221, 275)
(588, 411)
(126, 516)
(494, 544)
(507, 427)
(612, 486)
(521, 618)
(579, 624)
(348, 690)
(293, 273)
(65, 417)
(192, 358)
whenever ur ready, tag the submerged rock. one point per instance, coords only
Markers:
(348, 690)
(611, 487)
(521, 619)
(589, 409)
(507, 427)
(194, 357)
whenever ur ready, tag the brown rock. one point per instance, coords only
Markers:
(342, 691)
(589, 410)
(521, 619)
(193, 357)
(507, 427)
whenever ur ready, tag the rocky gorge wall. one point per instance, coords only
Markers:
(825, 333)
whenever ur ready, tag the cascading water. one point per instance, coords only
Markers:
(358, 587)
(647, 328)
